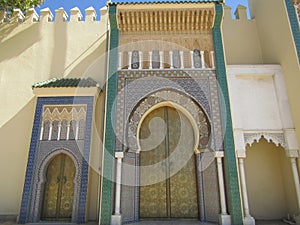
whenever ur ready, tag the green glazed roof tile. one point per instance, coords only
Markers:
(66, 82)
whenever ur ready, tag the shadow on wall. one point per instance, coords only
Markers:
(19, 42)
(93, 65)
(15, 138)
(59, 53)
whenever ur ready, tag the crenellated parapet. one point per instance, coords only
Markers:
(46, 15)
(240, 13)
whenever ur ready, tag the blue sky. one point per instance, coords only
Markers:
(97, 4)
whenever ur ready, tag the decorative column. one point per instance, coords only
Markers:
(161, 56)
(150, 60)
(68, 131)
(292, 152)
(120, 61)
(192, 59)
(141, 60)
(116, 219)
(77, 130)
(212, 56)
(129, 60)
(202, 60)
(297, 185)
(224, 218)
(296, 178)
(181, 60)
(42, 132)
(248, 219)
(50, 131)
(171, 59)
(59, 131)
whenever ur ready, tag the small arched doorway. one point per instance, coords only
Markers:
(59, 189)
(168, 178)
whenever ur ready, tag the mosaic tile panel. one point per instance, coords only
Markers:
(211, 193)
(200, 85)
(129, 188)
(30, 206)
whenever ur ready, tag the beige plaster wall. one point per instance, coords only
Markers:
(278, 47)
(95, 160)
(241, 38)
(32, 52)
(13, 157)
(270, 186)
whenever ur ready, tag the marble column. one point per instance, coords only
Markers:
(248, 219)
(161, 59)
(297, 187)
(116, 219)
(202, 60)
(150, 60)
(212, 56)
(129, 60)
(171, 59)
(192, 59)
(224, 218)
(181, 60)
(141, 60)
(120, 61)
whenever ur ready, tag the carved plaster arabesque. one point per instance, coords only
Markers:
(56, 114)
(277, 138)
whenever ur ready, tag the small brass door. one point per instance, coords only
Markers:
(175, 196)
(59, 189)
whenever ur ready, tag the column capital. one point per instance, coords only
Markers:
(219, 154)
(291, 143)
(119, 154)
(293, 153)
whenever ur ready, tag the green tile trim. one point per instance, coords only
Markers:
(164, 2)
(109, 139)
(293, 17)
(66, 82)
(231, 172)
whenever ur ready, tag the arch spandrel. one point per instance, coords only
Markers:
(195, 113)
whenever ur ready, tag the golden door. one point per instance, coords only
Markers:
(175, 196)
(59, 189)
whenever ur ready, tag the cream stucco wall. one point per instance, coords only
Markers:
(241, 38)
(95, 160)
(265, 39)
(278, 46)
(258, 98)
(32, 52)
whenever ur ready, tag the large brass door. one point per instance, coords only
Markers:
(59, 189)
(175, 196)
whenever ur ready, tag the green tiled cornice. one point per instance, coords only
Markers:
(66, 82)
(167, 1)
(229, 149)
(294, 25)
(109, 139)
